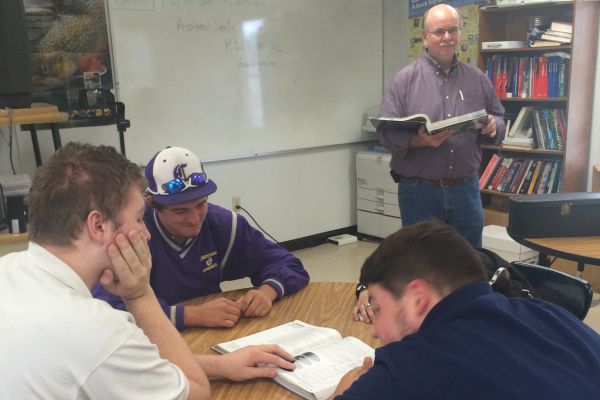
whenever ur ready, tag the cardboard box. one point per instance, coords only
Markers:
(492, 216)
(496, 239)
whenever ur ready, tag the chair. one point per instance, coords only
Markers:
(572, 293)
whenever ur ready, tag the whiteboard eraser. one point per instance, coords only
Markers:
(342, 239)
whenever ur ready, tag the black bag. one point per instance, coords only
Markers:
(511, 284)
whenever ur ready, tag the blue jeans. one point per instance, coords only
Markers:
(458, 205)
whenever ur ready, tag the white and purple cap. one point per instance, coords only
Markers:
(175, 175)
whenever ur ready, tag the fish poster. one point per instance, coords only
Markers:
(69, 49)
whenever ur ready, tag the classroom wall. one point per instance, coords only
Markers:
(595, 139)
(292, 195)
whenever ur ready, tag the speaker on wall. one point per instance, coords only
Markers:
(15, 57)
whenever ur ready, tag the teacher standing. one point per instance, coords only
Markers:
(437, 174)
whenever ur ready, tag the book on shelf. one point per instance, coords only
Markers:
(510, 175)
(524, 186)
(500, 172)
(538, 131)
(561, 26)
(504, 44)
(517, 143)
(411, 124)
(559, 33)
(322, 356)
(543, 43)
(555, 38)
(522, 124)
(535, 177)
(543, 179)
(516, 184)
(551, 176)
(557, 181)
(489, 171)
(529, 77)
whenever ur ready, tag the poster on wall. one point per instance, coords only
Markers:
(69, 49)
(469, 37)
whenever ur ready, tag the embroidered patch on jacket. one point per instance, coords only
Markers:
(207, 255)
(210, 264)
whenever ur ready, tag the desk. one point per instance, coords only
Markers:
(39, 113)
(321, 304)
(47, 116)
(582, 249)
(10, 242)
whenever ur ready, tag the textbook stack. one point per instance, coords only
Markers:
(560, 33)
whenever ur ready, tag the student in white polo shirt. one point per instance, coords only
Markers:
(58, 342)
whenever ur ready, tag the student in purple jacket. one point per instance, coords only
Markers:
(196, 245)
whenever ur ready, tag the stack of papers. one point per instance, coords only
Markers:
(15, 185)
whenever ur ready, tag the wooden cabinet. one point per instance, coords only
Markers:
(510, 23)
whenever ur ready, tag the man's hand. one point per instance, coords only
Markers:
(257, 302)
(248, 363)
(424, 139)
(363, 311)
(351, 376)
(490, 128)
(216, 313)
(129, 276)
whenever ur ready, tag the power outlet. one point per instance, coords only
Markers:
(236, 203)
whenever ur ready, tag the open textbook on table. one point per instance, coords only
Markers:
(411, 124)
(322, 356)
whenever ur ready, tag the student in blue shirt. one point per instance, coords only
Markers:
(196, 245)
(446, 335)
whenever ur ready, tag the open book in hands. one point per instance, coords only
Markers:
(322, 356)
(410, 124)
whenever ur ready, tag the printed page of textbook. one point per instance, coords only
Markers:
(295, 337)
(319, 370)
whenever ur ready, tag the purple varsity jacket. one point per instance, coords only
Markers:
(227, 248)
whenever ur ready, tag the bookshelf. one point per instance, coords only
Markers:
(510, 23)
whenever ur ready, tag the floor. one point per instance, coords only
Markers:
(332, 263)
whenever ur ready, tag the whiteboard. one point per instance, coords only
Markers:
(232, 78)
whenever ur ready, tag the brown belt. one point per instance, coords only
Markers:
(443, 182)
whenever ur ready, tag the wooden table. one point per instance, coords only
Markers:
(322, 304)
(10, 242)
(581, 249)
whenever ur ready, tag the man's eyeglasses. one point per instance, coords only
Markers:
(441, 32)
(178, 185)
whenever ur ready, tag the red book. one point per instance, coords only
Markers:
(488, 173)
(520, 77)
(516, 183)
(543, 77)
(534, 76)
(500, 172)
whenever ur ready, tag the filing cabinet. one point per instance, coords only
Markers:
(377, 211)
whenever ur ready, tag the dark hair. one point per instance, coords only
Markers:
(77, 179)
(429, 250)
